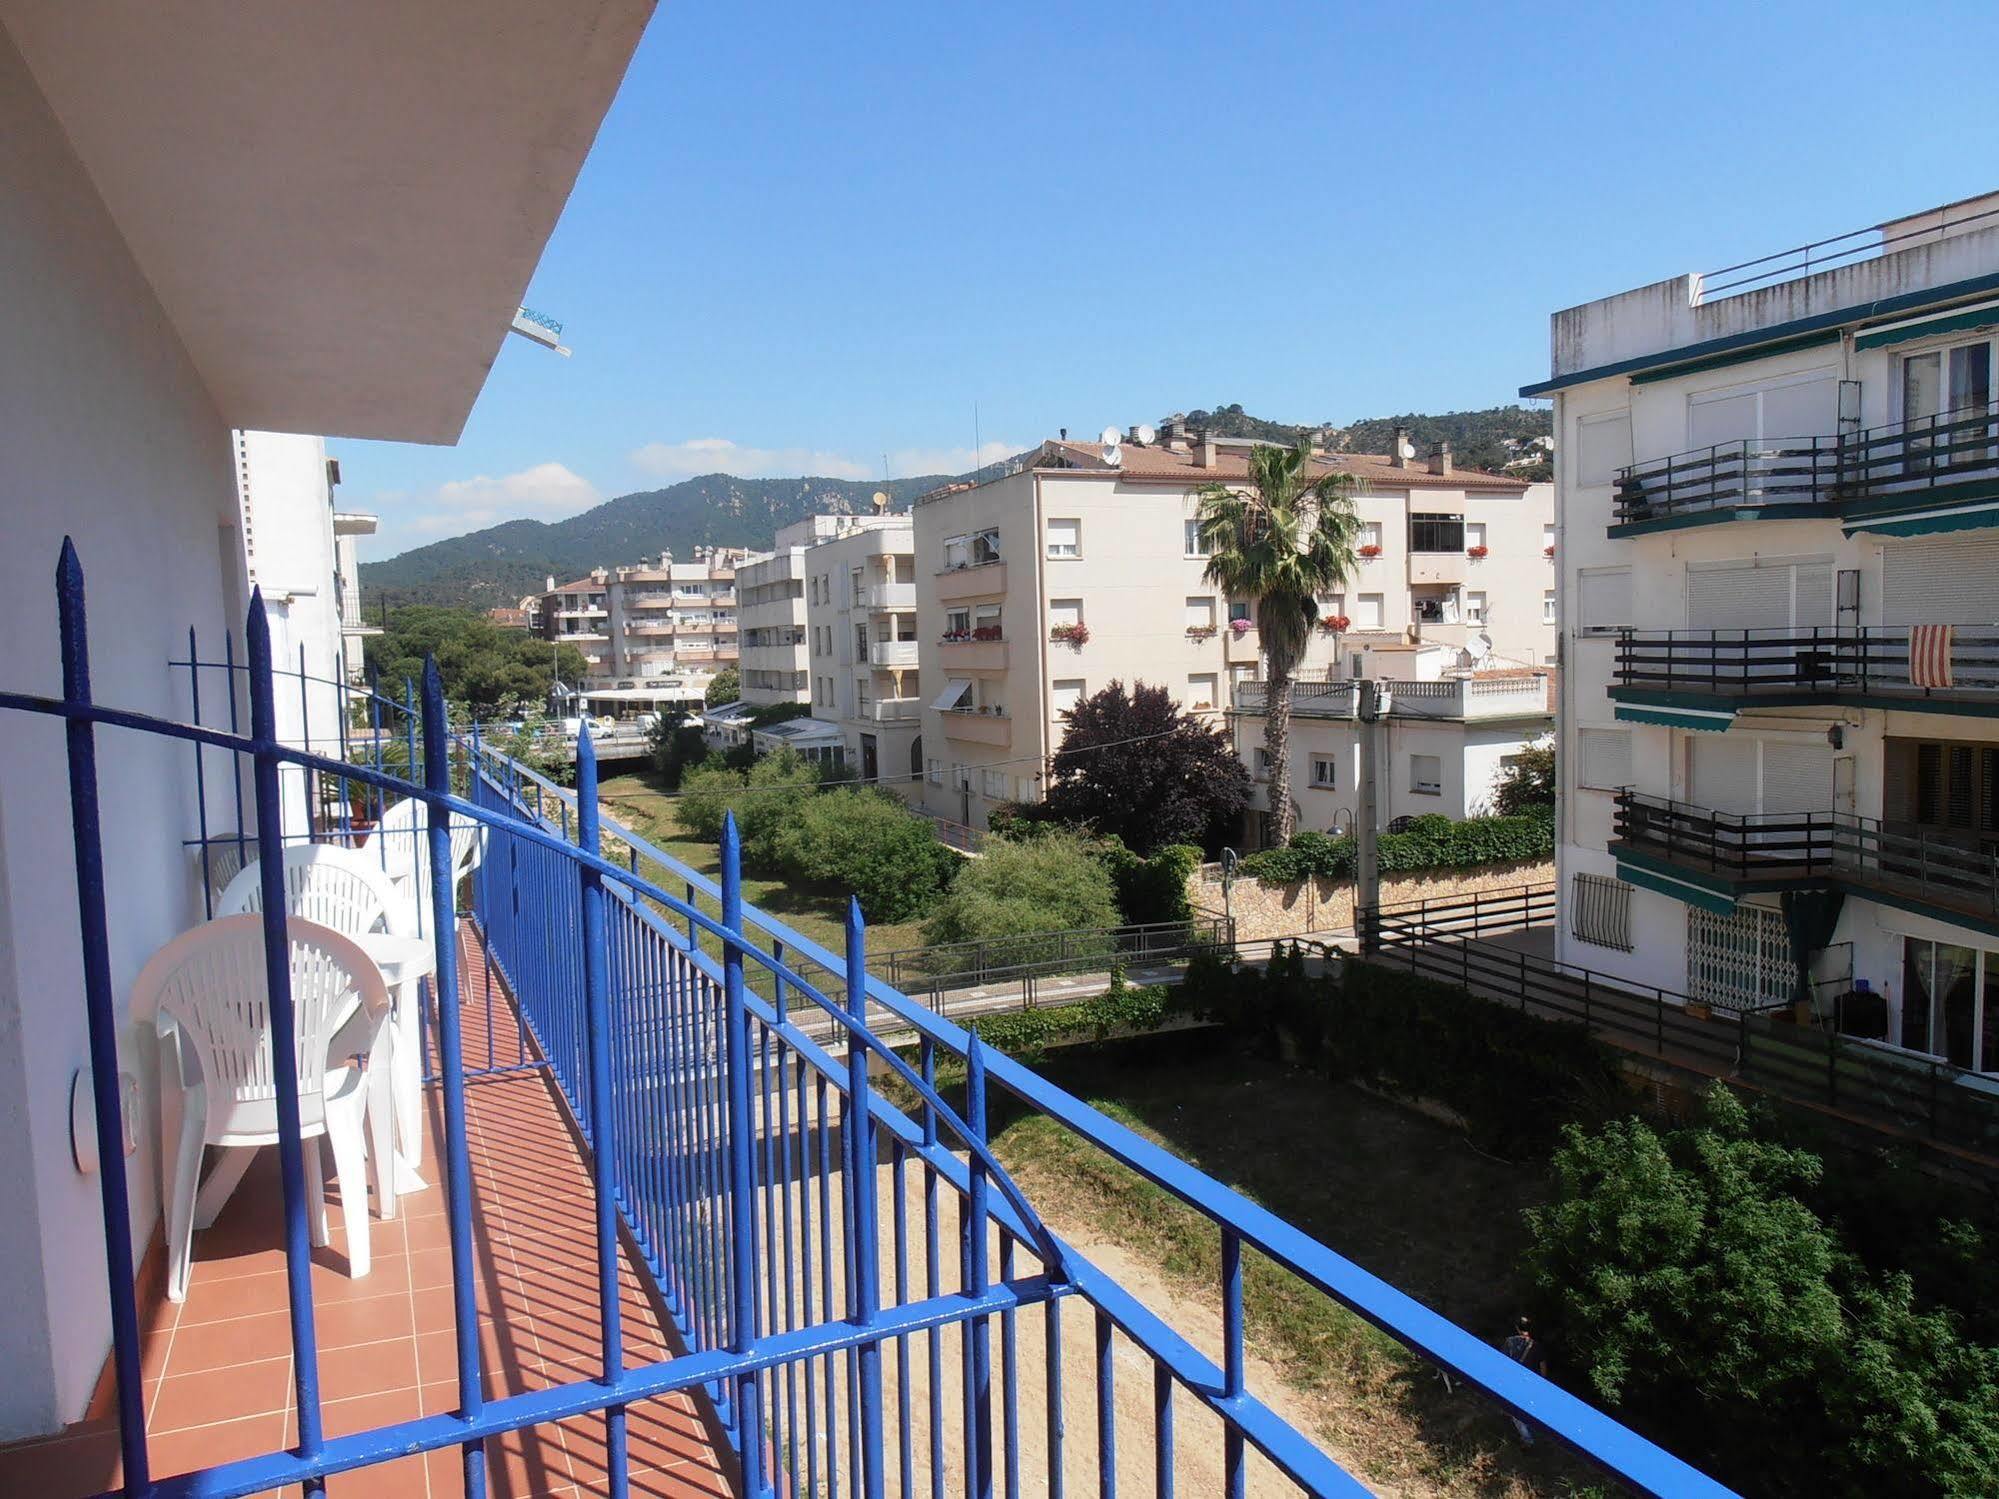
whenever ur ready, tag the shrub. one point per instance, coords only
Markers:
(1432, 842)
(1700, 1293)
(867, 842)
(1528, 782)
(1046, 884)
(676, 746)
(706, 794)
(778, 788)
(1027, 1033)
(1150, 890)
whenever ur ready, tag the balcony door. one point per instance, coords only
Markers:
(1776, 783)
(1938, 384)
(1950, 1003)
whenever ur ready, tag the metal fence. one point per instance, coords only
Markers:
(743, 1157)
(964, 965)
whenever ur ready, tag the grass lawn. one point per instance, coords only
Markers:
(1398, 1193)
(815, 911)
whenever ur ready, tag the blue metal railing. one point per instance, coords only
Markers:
(798, 1222)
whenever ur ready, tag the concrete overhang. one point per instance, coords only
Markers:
(338, 206)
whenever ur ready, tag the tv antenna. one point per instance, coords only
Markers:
(1111, 452)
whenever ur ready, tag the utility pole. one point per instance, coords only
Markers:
(1373, 705)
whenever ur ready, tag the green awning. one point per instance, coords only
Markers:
(1951, 322)
(1705, 720)
(1977, 515)
(1680, 890)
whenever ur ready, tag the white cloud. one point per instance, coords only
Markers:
(721, 455)
(547, 491)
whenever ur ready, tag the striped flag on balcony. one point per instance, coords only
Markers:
(1929, 655)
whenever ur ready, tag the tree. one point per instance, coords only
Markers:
(1526, 781)
(727, 687)
(1279, 542)
(493, 672)
(1050, 883)
(676, 745)
(869, 843)
(1133, 766)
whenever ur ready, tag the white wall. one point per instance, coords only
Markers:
(109, 437)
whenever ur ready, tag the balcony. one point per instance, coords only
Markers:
(1452, 567)
(648, 600)
(1712, 858)
(886, 596)
(972, 654)
(1468, 699)
(1912, 478)
(649, 627)
(1702, 678)
(892, 653)
(892, 710)
(586, 1293)
(978, 726)
(982, 580)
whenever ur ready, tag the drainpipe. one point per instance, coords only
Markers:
(1367, 821)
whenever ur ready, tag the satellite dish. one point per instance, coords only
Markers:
(1144, 434)
(881, 501)
(1111, 451)
(1406, 448)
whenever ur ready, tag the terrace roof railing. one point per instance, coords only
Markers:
(665, 1009)
(1824, 254)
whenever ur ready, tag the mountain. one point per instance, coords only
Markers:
(1477, 438)
(498, 565)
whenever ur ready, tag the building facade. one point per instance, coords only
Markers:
(770, 611)
(651, 635)
(1778, 523)
(861, 645)
(1044, 585)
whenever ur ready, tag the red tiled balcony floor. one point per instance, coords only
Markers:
(218, 1368)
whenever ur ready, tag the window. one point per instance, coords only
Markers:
(1262, 763)
(1064, 612)
(1065, 537)
(985, 546)
(957, 624)
(1325, 772)
(855, 583)
(1474, 534)
(1426, 775)
(1367, 612)
(957, 552)
(1201, 690)
(961, 779)
(1950, 1003)
(1547, 536)
(1064, 693)
(1603, 446)
(1603, 600)
(1370, 535)
(1200, 613)
(1600, 911)
(986, 622)
(1436, 533)
(1606, 758)
(861, 642)
(933, 772)
(1239, 610)
(1195, 546)
(1740, 961)
(957, 694)
(1548, 608)
(992, 785)
(1474, 606)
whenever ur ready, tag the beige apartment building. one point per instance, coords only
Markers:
(770, 614)
(650, 634)
(1039, 587)
(862, 645)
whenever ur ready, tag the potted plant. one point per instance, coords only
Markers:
(1370, 550)
(987, 632)
(1240, 627)
(1334, 624)
(1200, 632)
(1076, 635)
(1548, 552)
(1476, 552)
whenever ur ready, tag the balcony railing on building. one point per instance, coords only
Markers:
(1467, 698)
(1778, 850)
(1946, 665)
(892, 709)
(740, 1165)
(1954, 454)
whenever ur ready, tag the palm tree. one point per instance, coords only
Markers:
(1280, 539)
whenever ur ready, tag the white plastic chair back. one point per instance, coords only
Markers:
(405, 850)
(224, 860)
(207, 987)
(335, 887)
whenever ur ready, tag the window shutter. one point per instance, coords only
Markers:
(1954, 582)
(1796, 777)
(1603, 599)
(1606, 758)
(1723, 774)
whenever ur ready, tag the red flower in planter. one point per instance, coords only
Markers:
(1547, 551)
(1077, 635)
(1240, 626)
(1370, 550)
(1476, 552)
(1332, 624)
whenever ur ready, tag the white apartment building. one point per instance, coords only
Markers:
(1778, 522)
(1443, 748)
(770, 611)
(650, 634)
(1041, 586)
(862, 646)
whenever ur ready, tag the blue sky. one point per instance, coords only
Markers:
(810, 236)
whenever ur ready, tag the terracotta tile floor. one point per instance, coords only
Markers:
(218, 1368)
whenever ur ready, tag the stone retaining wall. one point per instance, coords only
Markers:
(1321, 905)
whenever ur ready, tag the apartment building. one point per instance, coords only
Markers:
(1443, 746)
(1778, 522)
(862, 647)
(770, 611)
(651, 634)
(1040, 586)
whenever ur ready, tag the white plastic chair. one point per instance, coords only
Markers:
(205, 994)
(404, 835)
(348, 891)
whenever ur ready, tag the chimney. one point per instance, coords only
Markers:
(1065, 434)
(551, 584)
(1396, 444)
(1440, 458)
(1207, 450)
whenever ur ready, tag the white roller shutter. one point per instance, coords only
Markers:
(1942, 582)
(1603, 601)
(1771, 413)
(1721, 419)
(1606, 758)
(1721, 773)
(1807, 409)
(1797, 777)
(1759, 594)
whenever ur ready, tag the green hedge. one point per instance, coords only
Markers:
(1514, 1079)
(1432, 842)
(1026, 1033)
